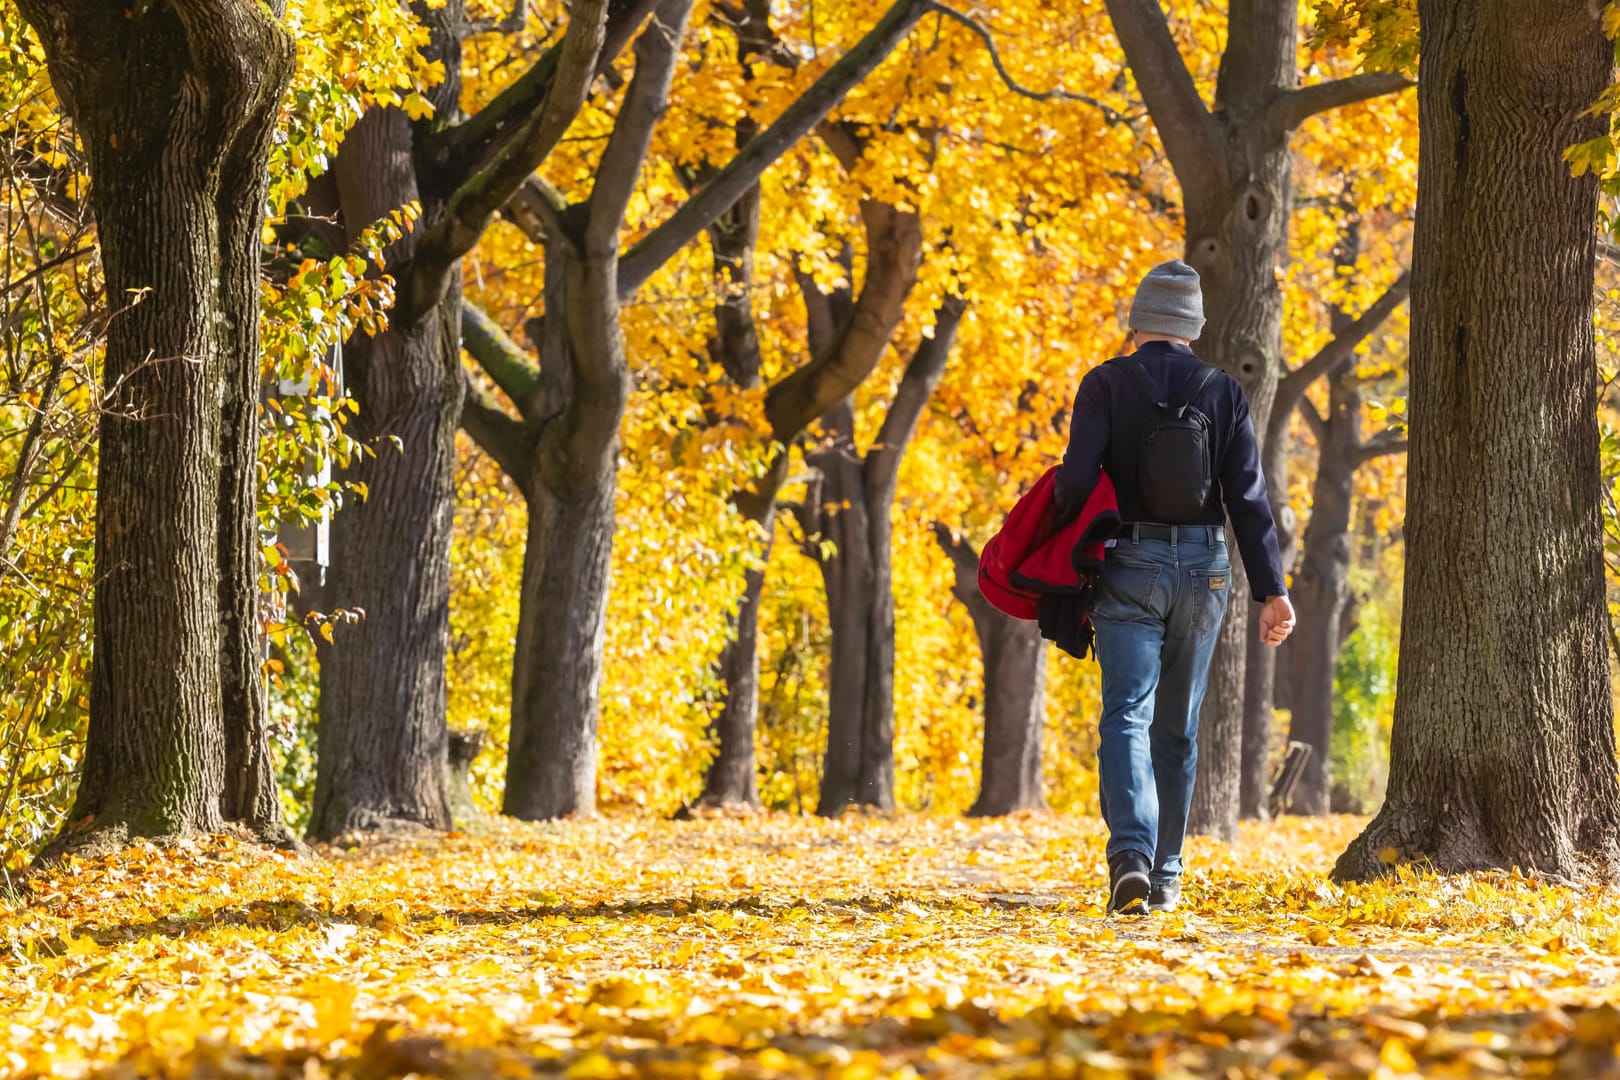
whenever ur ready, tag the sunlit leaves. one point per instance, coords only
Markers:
(771, 946)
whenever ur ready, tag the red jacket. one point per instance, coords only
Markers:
(1034, 569)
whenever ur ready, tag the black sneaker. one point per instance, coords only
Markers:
(1128, 885)
(1164, 897)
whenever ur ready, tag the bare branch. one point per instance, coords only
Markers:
(1111, 114)
(538, 209)
(744, 170)
(1185, 126)
(510, 24)
(1292, 108)
(894, 256)
(1293, 385)
(965, 561)
(463, 149)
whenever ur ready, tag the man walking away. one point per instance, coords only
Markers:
(1175, 436)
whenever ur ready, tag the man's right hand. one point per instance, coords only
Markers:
(1276, 621)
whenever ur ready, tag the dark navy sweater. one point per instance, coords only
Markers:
(1110, 410)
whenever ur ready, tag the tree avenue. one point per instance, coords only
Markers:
(623, 391)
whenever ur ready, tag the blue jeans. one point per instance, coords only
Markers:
(1157, 614)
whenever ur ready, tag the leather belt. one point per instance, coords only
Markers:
(1137, 531)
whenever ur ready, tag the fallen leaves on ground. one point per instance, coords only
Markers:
(782, 946)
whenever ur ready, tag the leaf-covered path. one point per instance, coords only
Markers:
(784, 946)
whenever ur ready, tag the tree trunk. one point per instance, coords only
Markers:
(1503, 751)
(732, 777)
(1321, 592)
(175, 106)
(557, 666)
(1236, 244)
(1259, 701)
(382, 731)
(859, 763)
(1014, 658)
(858, 768)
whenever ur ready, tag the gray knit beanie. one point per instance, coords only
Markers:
(1169, 301)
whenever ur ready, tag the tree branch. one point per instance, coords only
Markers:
(1111, 114)
(470, 209)
(463, 149)
(893, 257)
(1313, 420)
(744, 170)
(620, 168)
(1293, 385)
(510, 24)
(507, 440)
(1185, 126)
(965, 561)
(1382, 446)
(917, 385)
(1291, 108)
(539, 211)
(502, 359)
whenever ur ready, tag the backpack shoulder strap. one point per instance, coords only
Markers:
(1139, 376)
(1197, 381)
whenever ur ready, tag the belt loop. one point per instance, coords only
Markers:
(1173, 531)
(1136, 532)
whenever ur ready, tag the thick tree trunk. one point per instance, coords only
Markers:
(175, 106)
(1014, 658)
(1321, 592)
(557, 666)
(1503, 752)
(250, 794)
(382, 731)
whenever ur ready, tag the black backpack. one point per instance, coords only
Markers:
(1174, 473)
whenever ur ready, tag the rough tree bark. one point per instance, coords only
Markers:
(1503, 751)
(851, 504)
(176, 104)
(562, 451)
(1233, 165)
(382, 731)
(1014, 692)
